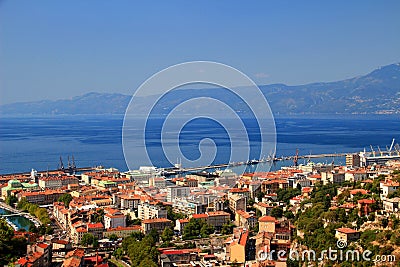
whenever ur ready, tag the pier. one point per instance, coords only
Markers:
(83, 169)
(173, 171)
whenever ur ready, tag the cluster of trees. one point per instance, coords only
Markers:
(66, 199)
(10, 200)
(141, 249)
(197, 228)
(90, 240)
(173, 216)
(318, 223)
(227, 228)
(11, 248)
(130, 222)
(285, 195)
(98, 216)
(277, 212)
(40, 213)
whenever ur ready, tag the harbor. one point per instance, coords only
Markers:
(17, 219)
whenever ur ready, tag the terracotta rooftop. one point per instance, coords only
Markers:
(267, 219)
(346, 230)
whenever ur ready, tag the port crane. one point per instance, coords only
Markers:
(296, 158)
(380, 151)
(373, 151)
(391, 146)
(397, 148)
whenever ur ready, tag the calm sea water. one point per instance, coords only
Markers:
(20, 221)
(38, 142)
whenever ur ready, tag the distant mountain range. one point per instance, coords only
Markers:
(375, 93)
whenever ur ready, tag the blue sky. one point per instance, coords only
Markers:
(60, 49)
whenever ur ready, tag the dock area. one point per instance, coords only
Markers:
(16, 212)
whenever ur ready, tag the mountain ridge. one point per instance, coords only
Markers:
(377, 92)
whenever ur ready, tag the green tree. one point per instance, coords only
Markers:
(167, 234)
(147, 263)
(227, 228)
(197, 228)
(66, 199)
(143, 252)
(98, 216)
(87, 239)
(277, 212)
(10, 200)
(10, 248)
(118, 253)
(288, 214)
(113, 237)
(173, 216)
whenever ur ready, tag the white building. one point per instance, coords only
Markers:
(388, 187)
(177, 191)
(114, 218)
(148, 211)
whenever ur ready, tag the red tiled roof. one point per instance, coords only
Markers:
(243, 238)
(366, 201)
(346, 230)
(356, 191)
(199, 216)
(95, 225)
(267, 219)
(42, 245)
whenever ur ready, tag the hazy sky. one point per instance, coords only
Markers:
(59, 49)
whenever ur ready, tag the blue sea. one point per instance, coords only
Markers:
(38, 142)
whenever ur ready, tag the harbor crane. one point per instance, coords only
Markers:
(373, 151)
(397, 148)
(296, 158)
(380, 151)
(61, 164)
(391, 146)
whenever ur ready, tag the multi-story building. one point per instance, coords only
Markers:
(177, 192)
(158, 224)
(189, 206)
(391, 204)
(96, 229)
(214, 218)
(241, 249)
(388, 187)
(38, 255)
(130, 202)
(41, 197)
(245, 219)
(353, 160)
(55, 182)
(158, 182)
(114, 218)
(122, 231)
(264, 208)
(237, 202)
(266, 224)
(347, 234)
(15, 185)
(334, 177)
(151, 211)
